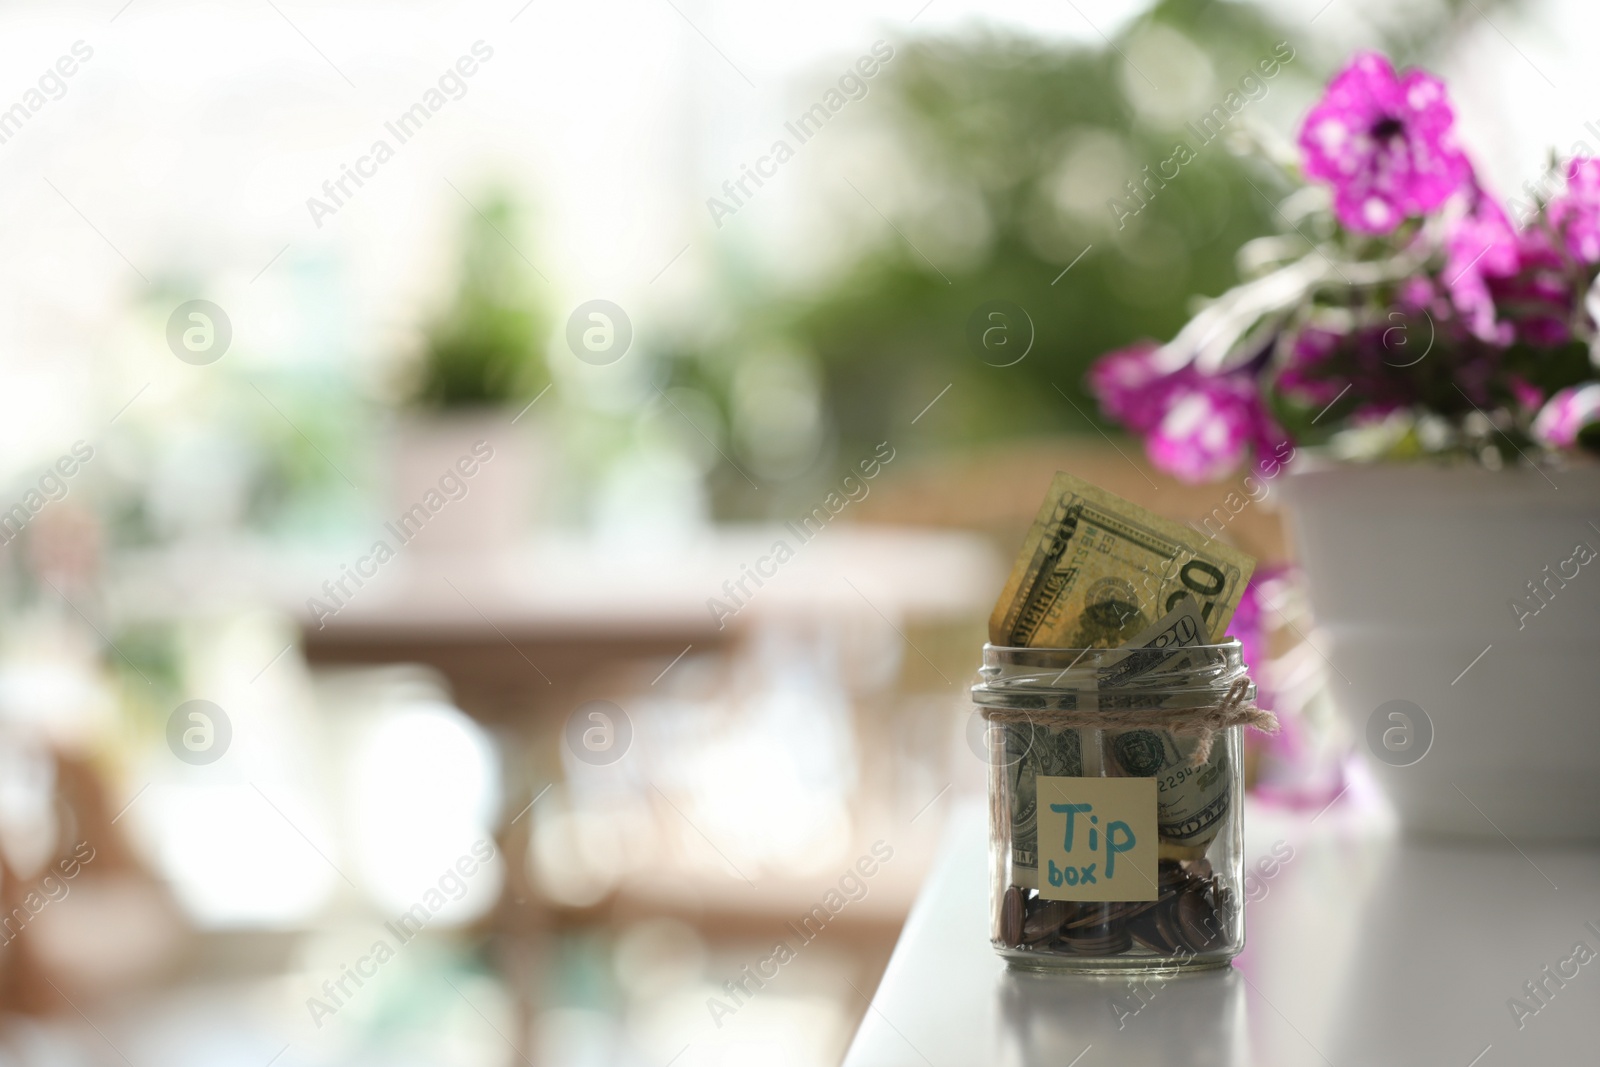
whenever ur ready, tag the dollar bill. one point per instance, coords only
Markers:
(1030, 752)
(1095, 570)
(1162, 648)
(1100, 572)
(1191, 802)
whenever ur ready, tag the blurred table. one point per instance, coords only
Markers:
(1363, 949)
(535, 623)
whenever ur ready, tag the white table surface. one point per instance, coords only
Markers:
(1365, 949)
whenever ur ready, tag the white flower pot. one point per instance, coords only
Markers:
(1413, 573)
(465, 481)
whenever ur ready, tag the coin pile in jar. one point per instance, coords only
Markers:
(1191, 915)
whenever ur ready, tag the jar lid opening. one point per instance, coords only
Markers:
(1044, 677)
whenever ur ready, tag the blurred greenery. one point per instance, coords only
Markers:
(1019, 144)
(486, 350)
(1009, 149)
(1010, 120)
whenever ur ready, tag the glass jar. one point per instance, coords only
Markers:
(1109, 771)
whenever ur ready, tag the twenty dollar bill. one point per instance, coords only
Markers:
(1096, 570)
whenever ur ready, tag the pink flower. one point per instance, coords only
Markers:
(1211, 424)
(1420, 292)
(1384, 143)
(1527, 395)
(1385, 365)
(1249, 623)
(1557, 425)
(1538, 297)
(1575, 213)
(1131, 386)
(1481, 245)
(1196, 426)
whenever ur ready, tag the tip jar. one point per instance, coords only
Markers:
(1115, 805)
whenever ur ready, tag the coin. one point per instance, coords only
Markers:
(1091, 914)
(1191, 915)
(1144, 930)
(1136, 908)
(1171, 875)
(1167, 925)
(1011, 917)
(1197, 921)
(1098, 930)
(1110, 939)
(1046, 921)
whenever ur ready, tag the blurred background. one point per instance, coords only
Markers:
(502, 499)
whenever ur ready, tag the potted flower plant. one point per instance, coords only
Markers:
(467, 447)
(1436, 350)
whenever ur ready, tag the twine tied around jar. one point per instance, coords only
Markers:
(1201, 723)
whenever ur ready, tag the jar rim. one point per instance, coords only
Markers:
(1225, 646)
(1047, 677)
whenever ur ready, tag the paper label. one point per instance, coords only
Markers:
(1097, 838)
